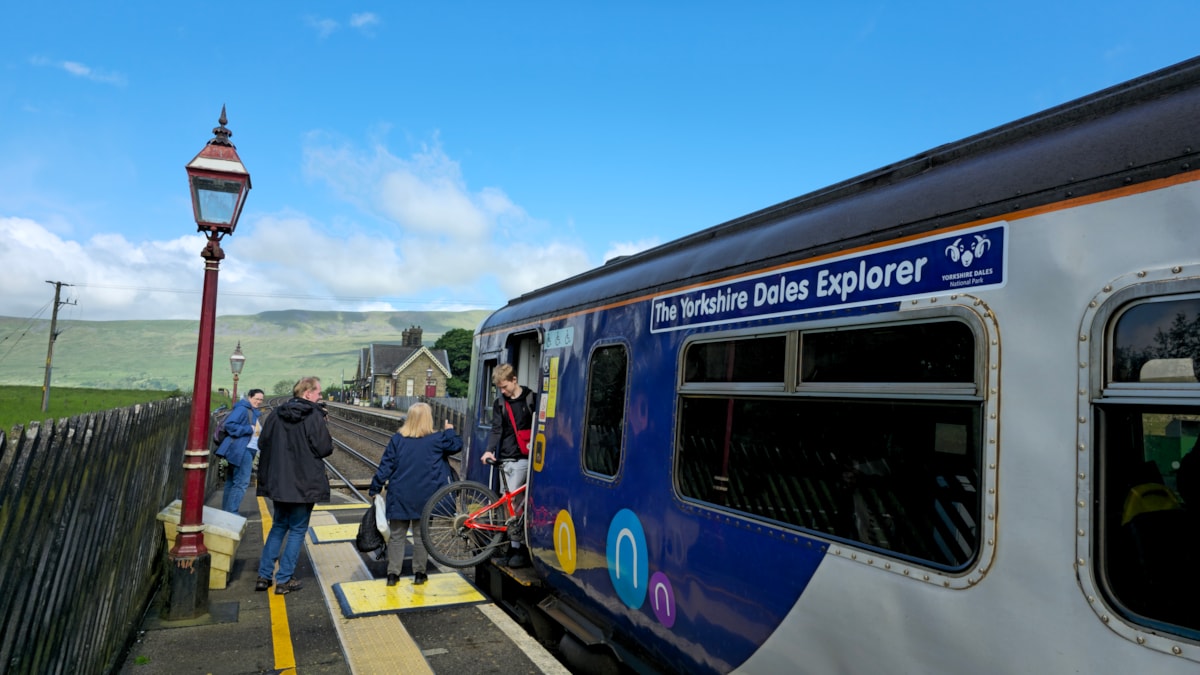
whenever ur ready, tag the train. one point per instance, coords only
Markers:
(936, 418)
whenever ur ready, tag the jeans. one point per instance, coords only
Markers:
(290, 521)
(236, 484)
(396, 540)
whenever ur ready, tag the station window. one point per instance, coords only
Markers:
(875, 438)
(607, 374)
(1147, 505)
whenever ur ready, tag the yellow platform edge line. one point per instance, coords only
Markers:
(371, 644)
(281, 631)
(339, 507)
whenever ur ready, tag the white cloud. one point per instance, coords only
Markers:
(364, 20)
(532, 265)
(324, 27)
(434, 205)
(425, 193)
(114, 275)
(619, 248)
(82, 70)
(445, 234)
(429, 241)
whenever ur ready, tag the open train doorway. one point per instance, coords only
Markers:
(523, 351)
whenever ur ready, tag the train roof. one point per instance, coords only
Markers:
(1144, 129)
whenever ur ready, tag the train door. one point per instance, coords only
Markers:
(523, 351)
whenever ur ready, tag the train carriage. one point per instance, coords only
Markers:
(936, 418)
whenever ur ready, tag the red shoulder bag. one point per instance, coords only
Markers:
(522, 434)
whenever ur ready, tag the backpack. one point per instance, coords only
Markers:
(219, 432)
(373, 531)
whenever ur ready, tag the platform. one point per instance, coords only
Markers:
(345, 619)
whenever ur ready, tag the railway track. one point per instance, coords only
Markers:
(358, 449)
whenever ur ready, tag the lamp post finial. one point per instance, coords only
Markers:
(220, 133)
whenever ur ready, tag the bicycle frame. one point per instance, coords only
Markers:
(464, 522)
(471, 521)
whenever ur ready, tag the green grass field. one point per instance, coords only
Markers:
(19, 405)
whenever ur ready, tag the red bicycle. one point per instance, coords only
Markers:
(464, 523)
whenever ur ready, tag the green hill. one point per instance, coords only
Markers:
(282, 345)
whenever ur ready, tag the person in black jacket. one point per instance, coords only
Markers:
(509, 440)
(291, 474)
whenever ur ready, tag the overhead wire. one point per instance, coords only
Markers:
(24, 331)
(289, 296)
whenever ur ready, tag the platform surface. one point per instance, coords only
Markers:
(345, 620)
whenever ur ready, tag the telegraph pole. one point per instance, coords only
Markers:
(53, 334)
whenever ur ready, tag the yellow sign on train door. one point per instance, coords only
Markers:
(551, 389)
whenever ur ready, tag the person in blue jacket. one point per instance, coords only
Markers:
(241, 426)
(413, 467)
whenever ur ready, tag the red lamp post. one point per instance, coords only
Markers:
(219, 185)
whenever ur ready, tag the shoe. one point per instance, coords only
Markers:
(518, 559)
(288, 586)
(262, 584)
(393, 579)
(420, 578)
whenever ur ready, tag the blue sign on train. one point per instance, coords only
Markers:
(962, 260)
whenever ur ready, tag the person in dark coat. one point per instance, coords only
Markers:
(513, 415)
(413, 467)
(291, 474)
(240, 427)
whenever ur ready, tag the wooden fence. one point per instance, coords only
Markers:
(81, 549)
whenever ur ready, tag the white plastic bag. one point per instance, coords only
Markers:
(381, 521)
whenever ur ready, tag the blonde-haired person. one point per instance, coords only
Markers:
(413, 468)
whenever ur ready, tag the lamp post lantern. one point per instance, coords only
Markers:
(219, 184)
(236, 361)
(430, 384)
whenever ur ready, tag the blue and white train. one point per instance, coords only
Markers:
(938, 418)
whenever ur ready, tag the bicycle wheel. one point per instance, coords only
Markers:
(448, 538)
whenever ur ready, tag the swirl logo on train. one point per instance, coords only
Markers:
(627, 560)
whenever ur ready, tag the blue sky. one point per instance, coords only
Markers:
(452, 155)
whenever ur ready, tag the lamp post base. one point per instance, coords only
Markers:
(187, 586)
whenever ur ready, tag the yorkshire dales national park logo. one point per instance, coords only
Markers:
(881, 276)
(960, 252)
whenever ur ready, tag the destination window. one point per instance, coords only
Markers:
(892, 462)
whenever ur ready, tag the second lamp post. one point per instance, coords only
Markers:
(236, 361)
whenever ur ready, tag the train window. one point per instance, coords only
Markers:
(746, 360)
(1147, 507)
(923, 352)
(606, 410)
(488, 392)
(1157, 342)
(898, 470)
